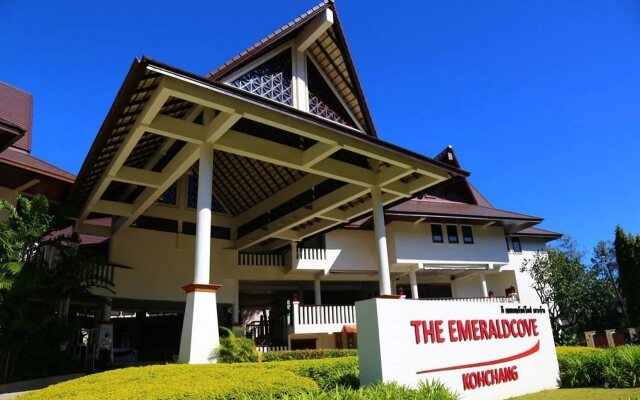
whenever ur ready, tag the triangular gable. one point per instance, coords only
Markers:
(271, 79)
(331, 57)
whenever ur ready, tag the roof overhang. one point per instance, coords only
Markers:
(143, 113)
(9, 134)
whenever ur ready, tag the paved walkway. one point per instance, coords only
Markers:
(15, 389)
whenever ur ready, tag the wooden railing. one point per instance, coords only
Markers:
(509, 299)
(263, 259)
(303, 253)
(324, 315)
(100, 275)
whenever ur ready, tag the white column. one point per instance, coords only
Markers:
(106, 309)
(483, 283)
(200, 327)
(203, 222)
(381, 242)
(413, 279)
(316, 292)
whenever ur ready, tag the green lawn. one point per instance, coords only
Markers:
(584, 394)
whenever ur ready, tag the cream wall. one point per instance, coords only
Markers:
(10, 196)
(412, 244)
(357, 251)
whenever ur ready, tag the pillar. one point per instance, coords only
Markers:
(413, 279)
(317, 294)
(235, 317)
(609, 334)
(483, 283)
(381, 242)
(106, 309)
(200, 327)
(588, 336)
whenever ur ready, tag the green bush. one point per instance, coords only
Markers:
(618, 367)
(235, 349)
(328, 373)
(183, 382)
(383, 391)
(287, 355)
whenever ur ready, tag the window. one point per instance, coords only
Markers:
(436, 233)
(516, 245)
(452, 234)
(467, 235)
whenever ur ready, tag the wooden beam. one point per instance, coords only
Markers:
(174, 169)
(197, 92)
(158, 210)
(148, 113)
(317, 153)
(303, 184)
(175, 128)
(317, 208)
(113, 208)
(220, 125)
(137, 176)
(26, 186)
(95, 230)
(336, 215)
(314, 30)
(289, 234)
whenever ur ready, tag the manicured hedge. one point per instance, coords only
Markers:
(618, 367)
(328, 373)
(287, 355)
(184, 382)
(388, 391)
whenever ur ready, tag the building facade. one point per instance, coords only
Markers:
(260, 195)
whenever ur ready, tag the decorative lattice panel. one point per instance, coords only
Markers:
(170, 196)
(192, 196)
(317, 107)
(271, 79)
(322, 100)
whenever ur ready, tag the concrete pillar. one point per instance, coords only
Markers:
(235, 317)
(200, 326)
(413, 279)
(589, 338)
(317, 294)
(106, 309)
(609, 333)
(483, 283)
(381, 242)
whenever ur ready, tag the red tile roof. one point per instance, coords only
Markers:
(16, 107)
(26, 161)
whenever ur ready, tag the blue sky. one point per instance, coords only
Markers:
(540, 99)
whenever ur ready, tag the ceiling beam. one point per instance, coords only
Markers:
(113, 208)
(137, 176)
(303, 184)
(316, 208)
(317, 153)
(26, 186)
(151, 108)
(314, 30)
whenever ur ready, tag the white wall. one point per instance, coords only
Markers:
(358, 252)
(412, 243)
(524, 281)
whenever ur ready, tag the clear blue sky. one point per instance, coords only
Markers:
(540, 99)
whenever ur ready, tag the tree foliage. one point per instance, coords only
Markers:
(579, 297)
(627, 250)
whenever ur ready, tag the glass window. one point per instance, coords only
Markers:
(452, 234)
(467, 235)
(436, 233)
(516, 245)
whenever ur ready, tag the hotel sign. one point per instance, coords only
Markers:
(480, 350)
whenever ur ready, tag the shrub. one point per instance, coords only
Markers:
(307, 354)
(562, 350)
(184, 382)
(618, 367)
(235, 349)
(327, 373)
(383, 391)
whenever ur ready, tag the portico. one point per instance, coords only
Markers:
(269, 173)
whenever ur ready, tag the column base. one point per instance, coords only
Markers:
(200, 335)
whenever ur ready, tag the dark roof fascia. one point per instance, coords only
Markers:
(350, 65)
(461, 216)
(550, 235)
(299, 114)
(136, 71)
(265, 45)
(10, 133)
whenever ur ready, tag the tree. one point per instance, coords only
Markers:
(627, 249)
(579, 298)
(30, 331)
(604, 262)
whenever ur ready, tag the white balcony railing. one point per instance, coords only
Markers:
(261, 259)
(303, 253)
(322, 318)
(509, 299)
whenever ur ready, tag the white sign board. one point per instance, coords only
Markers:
(481, 350)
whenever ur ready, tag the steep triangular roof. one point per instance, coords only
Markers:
(329, 52)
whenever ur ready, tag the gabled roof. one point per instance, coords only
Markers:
(330, 51)
(30, 163)
(537, 232)
(16, 107)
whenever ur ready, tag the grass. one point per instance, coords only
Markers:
(584, 394)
